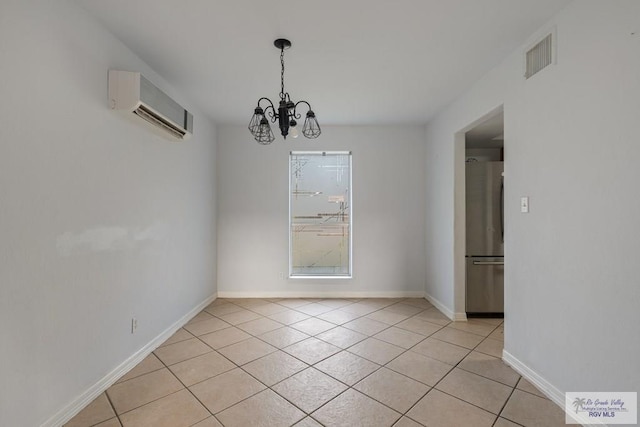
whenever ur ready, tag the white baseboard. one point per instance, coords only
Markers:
(72, 409)
(458, 317)
(322, 294)
(552, 392)
(534, 378)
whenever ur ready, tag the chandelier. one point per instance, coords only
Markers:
(286, 114)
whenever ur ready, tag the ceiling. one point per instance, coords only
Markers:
(355, 61)
(488, 134)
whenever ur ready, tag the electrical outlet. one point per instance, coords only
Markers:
(134, 325)
(282, 276)
(524, 204)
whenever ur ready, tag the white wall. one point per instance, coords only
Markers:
(100, 219)
(571, 145)
(388, 212)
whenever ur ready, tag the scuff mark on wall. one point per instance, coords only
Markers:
(109, 239)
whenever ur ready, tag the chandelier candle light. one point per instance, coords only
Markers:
(285, 114)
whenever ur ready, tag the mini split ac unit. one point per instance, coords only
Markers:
(131, 92)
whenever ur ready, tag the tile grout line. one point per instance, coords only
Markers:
(380, 366)
(186, 388)
(248, 373)
(183, 384)
(112, 407)
(400, 373)
(505, 404)
(308, 414)
(448, 372)
(458, 398)
(388, 326)
(346, 349)
(384, 365)
(484, 337)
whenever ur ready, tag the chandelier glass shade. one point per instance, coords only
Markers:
(286, 114)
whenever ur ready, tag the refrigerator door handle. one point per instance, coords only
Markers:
(488, 262)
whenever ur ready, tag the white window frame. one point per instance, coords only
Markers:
(349, 275)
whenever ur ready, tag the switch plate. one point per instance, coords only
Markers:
(524, 204)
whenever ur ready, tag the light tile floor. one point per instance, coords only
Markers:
(324, 362)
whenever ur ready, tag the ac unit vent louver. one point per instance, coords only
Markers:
(133, 93)
(539, 56)
(156, 120)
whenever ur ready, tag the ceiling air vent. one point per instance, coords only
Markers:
(539, 56)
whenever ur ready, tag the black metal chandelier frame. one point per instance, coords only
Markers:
(286, 114)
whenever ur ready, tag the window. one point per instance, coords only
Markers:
(320, 214)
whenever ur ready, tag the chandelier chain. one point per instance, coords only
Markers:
(282, 73)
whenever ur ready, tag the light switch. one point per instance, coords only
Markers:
(524, 204)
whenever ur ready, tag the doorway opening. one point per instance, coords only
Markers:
(484, 219)
(482, 141)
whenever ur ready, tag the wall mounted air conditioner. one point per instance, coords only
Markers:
(131, 92)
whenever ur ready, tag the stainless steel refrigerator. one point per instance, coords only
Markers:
(485, 239)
